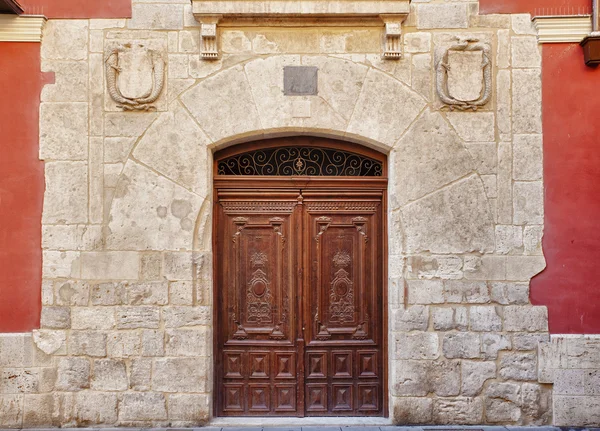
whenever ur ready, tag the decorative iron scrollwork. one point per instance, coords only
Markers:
(310, 161)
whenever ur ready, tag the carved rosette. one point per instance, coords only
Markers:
(464, 78)
(135, 76)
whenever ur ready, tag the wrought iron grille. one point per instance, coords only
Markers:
(310, 161)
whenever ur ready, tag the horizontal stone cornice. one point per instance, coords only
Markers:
(21, 28)
(563, 29)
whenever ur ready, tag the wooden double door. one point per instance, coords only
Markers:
(299, 302)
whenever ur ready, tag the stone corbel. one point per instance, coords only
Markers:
(209, 49)
(392, 40)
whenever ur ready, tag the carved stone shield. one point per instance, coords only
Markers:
(135, 79)
(465, 78)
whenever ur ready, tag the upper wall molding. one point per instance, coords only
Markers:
(388, 13)
(21, 28)
(563, 29)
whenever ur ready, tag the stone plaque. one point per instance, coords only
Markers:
(300, 80)
(465, 79)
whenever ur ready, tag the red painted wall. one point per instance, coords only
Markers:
(78, 8)
(536, 7)
(21, 187)
(570, 286)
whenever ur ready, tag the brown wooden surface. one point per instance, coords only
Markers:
(299, 294)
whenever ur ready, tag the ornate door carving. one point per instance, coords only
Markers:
(299, 290)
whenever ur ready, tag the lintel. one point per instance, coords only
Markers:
(563, 29)
(24, 28)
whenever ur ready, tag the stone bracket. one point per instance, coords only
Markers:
(282, 13)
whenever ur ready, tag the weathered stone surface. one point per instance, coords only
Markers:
(449, 318)
(416, 345)
(425, 292)
(92, 318)
(109, 375)
(151, 212)
(412, 318)
(178, 266)
(455, 219)
(153, 343)
(181, 293)
(95, 408)
(527, 157)
(19, 380)
(428, 157)
(188, 342)
(503, 103)
(61, 264)
(65, 40)
(471, 292)
(417, 42)
(87, 343)
(173, 146)
(429, 267)
(532, 239)
(72, 292)
(444, 378)
(56, 318)
(484, 319)
(38, 410)
(485, 267)
(474, 375)
(110, 265)
(491, 344)
(189, 407)
(180, 375)
(125, 124)
(150, 266)
(509, 293)
(11, 411)
(385, 109)
(525, 52)
(63, 131)
(157, 16)
(409, 378)
(462, 345)
(485, 155)
(458, 410)
(123, 344)
(529, 341)
(569, 382)
(177, 317)
(232, 104)
(524, 267)
(509, 239)
(61, 207)
(576, 411)
(473, 127)
(73, 374)
(142, 406)
(450, 15)
(137, 317)
(465, 77)
(49, 341)
(149, 293)
(408, 411)
(16, 350)
(140, 378)
(523, 24)
(501, 402)
(71, 81)
(527, 100)
(421, 75)
(519, 366)
(108, 294)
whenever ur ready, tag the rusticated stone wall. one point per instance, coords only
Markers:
(126, 335)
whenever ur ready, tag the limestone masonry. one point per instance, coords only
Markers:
(126, 332)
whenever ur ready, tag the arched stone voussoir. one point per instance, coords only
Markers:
(175, 146)
(151, 212)
(223, 104)
(454, 219)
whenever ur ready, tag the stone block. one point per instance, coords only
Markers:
(188, 342)
(462, 345)
(491, 344)
(157, 16)
(572, 411)
(61, 207)
(19, 380)
(524, 267)
(87, 343)
(179, 375)
(109, 375)
(473, 127)
(177, 317)
(429, 143)
(448, 15)
(11, 411)
(71, 83)
(64, 131)
(527, 101)
(410, 378)
(16, 350)
(471, 292)
(421, 75)
(502, 403)
(519, 366)
(153, 343)
(409, 410)
(444, 378)
(525, 319)
(150, 266)
(527, 157)
(92, 318)
(138, 317)
(412, 318)
(583, 352)
(529, 341)
(484, 319)
(60, 264)
(124, 124)
(425, 292)
(38, 410)
(503, 103)
(509, 239)
(592, 382)
(97, 408)
(416, 346)
(485, 156)
(140, 377)
(485, 268)
(181, 293)
(458, 410)
(509, 293)
(142, 406)
(56, 318)
(523, 24)
(172, 146)
(525, 52)
(569, 382)
(428, 267)
(532, 239)
(189, 407)
(117, 149)
(47, 341)
(65, 40)
(385, 109)
(73, 374)
(450, 318)
(417, 42)
(123, 344)
(149, 293)
(474, 375)
(110, 265)
(503, 56)
(108, 294)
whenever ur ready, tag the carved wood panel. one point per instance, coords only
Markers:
(299, 318)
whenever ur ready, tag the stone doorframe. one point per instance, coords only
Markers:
(464, 223)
